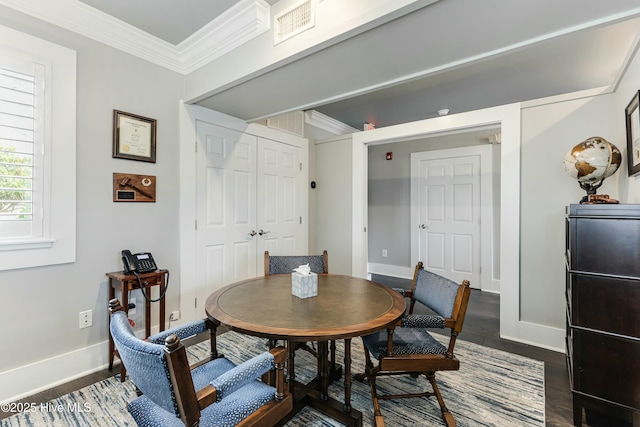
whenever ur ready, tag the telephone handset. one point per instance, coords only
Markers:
(142, 262)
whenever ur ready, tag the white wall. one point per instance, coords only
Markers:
(40, 306)
(549, 131)
(333, 219)
(628, 187)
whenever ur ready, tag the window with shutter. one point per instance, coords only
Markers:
(21, 149)
(37, 151)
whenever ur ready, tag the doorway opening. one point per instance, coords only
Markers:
(394, 231)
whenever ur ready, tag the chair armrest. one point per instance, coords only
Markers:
(242, 374)
(183, 331)
(423, 321)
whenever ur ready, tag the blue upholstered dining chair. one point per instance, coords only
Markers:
(409, 347)
(284, 264)
(171, 394)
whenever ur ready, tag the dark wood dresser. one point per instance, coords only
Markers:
(603, 310)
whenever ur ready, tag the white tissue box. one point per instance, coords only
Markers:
(304, 285)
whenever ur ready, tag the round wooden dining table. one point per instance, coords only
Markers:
(345, 307)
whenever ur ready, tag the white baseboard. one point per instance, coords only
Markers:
(390, 270)
(537, 335)
(35, 377)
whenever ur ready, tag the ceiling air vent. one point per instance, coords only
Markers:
(294, 20)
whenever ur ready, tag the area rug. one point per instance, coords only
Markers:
(492, 388)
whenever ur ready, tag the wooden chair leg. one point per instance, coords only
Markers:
(447, 416)
(368, 367)
(123, 372)
(377, 414)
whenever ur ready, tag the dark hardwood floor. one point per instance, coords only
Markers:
(482, 326)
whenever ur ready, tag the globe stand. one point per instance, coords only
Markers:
(590, 189)
(593, 198)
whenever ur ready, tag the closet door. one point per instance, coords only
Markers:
(225, 208)
(280, 190)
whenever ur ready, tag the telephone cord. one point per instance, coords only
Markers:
(144, 293)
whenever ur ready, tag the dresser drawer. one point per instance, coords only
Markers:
(605, 303)
(606, 366)
(591, 248)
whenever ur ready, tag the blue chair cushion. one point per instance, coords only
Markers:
(236, 405)
(405, 341)
(204, 374)
(423, 321)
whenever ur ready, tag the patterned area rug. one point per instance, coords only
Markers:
(492, 388)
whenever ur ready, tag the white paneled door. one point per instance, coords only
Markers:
(446, 214)
(225, 208)
(247, 201)
(279, 198)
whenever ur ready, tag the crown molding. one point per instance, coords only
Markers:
(241, 23)
(324, 122)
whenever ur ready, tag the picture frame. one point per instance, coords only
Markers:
(134, 137)
(632, 119)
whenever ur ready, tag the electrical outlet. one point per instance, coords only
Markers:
(86, 319)
(175, 315)
(384, 252)
(132, 307)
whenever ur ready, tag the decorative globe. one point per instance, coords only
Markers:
(592, 160)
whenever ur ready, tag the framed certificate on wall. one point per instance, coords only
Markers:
(134, 137)
(632, 116)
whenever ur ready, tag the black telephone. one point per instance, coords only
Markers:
(141, 263)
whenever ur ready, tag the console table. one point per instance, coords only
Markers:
(124, 283)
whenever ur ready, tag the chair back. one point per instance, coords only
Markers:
(284, 264)
(445, 297)
(146, 363)
(436, 292)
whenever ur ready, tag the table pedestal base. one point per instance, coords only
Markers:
(316, 393)
(308, 395)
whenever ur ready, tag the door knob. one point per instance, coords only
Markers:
(422, 226)
(262, 232)
(252, 233)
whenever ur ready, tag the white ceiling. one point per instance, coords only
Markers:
(457, 54)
